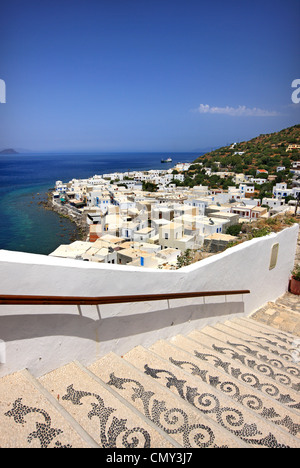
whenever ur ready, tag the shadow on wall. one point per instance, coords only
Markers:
(23, 326)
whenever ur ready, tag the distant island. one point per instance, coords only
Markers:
(9, 151)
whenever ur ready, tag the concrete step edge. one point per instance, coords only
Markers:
(65, 414)
(127, 404)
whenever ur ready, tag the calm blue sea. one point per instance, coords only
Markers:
(25, 178)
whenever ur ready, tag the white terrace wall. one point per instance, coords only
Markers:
(42, 338)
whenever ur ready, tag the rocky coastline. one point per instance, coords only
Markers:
(72, 214)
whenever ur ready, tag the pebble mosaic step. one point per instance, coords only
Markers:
(245, 389)
(237, 340)
(284, 339)
(255, 348)
(235, 348)
(264, 327)
(235, 385)
(29, 420)
(282, 347)
(104, 416)
(185, 423)
(235, 365)
(226, 412)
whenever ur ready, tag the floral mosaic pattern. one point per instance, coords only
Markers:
(44, 432)
(113, 432)
(171, 420)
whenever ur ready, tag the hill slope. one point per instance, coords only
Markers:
(263, 152)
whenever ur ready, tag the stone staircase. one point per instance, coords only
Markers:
(232, 385)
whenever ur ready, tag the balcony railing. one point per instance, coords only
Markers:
(79, 300)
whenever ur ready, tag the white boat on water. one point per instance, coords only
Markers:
(166, 160)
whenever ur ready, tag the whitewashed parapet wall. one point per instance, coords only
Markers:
(42, 338)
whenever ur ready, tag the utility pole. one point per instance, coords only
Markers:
(297, 203)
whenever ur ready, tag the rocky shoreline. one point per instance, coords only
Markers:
(72, 214)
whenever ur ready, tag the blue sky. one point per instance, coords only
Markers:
(146, 75)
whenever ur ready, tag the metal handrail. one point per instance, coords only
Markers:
(79, 300)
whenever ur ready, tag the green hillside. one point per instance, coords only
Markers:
(263, 152)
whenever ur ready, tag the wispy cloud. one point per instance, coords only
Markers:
(240, 111)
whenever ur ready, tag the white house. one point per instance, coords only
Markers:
(179, 177)
(244, 188)
(198, 203)
(274, 203)
(172, 235)
(162, 212)
(61, 187)
(296, 192)
(213, 225)
(293, 147)
(249, 211)
(257, 180)
(281, 190)
(185, 166)
(98, 198)
(239, 178)
(144, 234)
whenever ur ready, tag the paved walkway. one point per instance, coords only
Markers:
(284, 314)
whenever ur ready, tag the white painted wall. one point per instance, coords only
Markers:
(42, 338)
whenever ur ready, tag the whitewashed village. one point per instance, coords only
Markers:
(150, 219)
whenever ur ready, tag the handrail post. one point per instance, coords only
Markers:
(98, 310)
